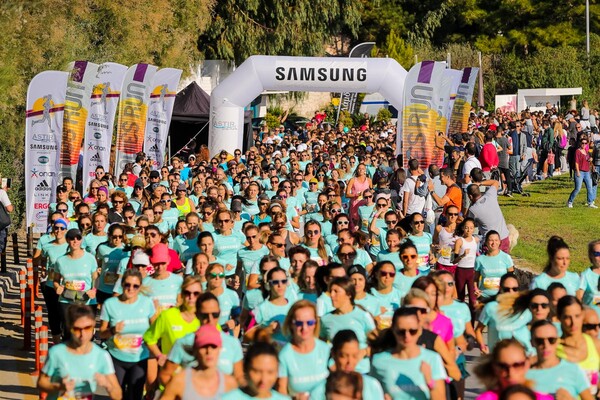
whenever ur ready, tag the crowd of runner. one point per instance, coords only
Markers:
(314, 266)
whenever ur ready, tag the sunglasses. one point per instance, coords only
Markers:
(264, 204)
(368, 197)
(541, 340)
(384, 274)
(510, 289)
(276, 282)
(343, 222)
(391, 222)
(118, 202)
(165, 201)
(380, 205)
(59, 228)
(224, 221)
(219, 276)
(188, 293)
(406, 257)
(452, 214)
(278, 245)
(335, 210)
(116, 237)
(62, 210)
(214, 315)
(421, 222)
(404, 332)
(596, 253)
(315, 232)
(347, 255)
(535, 306)
(78, 238)
(507, 367)
(86, 225)
(131, 285)
(300, 324)
(590, 327)
(78, 331)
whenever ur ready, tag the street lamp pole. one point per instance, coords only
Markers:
(587, 27)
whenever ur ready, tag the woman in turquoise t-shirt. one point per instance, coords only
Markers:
(407, 370)
(489, 267)
(74, 276)
(314, 242)
(346, 352)
(163, 287)
(109, 255)
(589, 288)
(227, 242)
(98, 234)
(124, 320)
(249, 256)
(271, 312)
(260, 368)
(51, 252)
(382, 277)
(358, 274)
(557, 268)
(550, 373)
(228, 299)
(422, 240)
(302, 361)
(409, 271)
(75, 369)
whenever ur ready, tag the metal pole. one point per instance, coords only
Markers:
(449, 60)
(480, 94)
(587, 27)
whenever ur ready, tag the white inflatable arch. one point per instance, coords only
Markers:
(308, 74)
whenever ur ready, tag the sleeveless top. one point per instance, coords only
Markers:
(446, 241)
(468, 261)
(590, 365)
(288, 243)
(185, 208)
(189, 392)
(360, 187)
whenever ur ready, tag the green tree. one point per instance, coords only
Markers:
(395, 47)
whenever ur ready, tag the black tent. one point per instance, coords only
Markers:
(190, 115)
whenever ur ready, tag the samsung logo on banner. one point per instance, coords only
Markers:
(322, 74)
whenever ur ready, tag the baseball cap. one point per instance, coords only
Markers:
(357, 269)
(154, 186)
(140, 258)
(236, 206)
(386, 196)
(207, 335)
(73, 233)
(182, 187)
(160, 254)
(138, 241)
(154, 174)
(314, 180)
(138, 183)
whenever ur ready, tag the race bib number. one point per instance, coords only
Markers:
(491, 283)
(110, 278)
(596, 300)
(128, 343)
(75, 285)
(593, 377)
(446, 252)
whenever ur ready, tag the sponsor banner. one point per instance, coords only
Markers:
(43, 134)
(507, 103)
(420, 113)
(100, 121)
(455, 77)
(459, 119)
(305, 75)
(82, 75)
(450, 81)
(538, 103)
(133, 111)
(160, 109)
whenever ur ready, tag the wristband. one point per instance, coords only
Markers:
(431, 384)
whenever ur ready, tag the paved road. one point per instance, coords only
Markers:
(16, 365)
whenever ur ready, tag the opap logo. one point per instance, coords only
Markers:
(155, 129)
(43, 160)
(41, 215)
(97, 135)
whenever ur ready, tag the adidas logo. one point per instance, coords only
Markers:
(154, 148)
(43, 186)
(96, 157)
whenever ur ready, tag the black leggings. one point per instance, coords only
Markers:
(131, 377)
(53, 308)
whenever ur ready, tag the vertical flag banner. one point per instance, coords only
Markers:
(452, 78)
(43, 133)
(133, 111)
(420, 113)
(459, 119)
(160, 109)
(77, 104)
(100, 121)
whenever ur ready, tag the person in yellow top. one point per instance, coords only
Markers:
(172, 324)
(576, 346)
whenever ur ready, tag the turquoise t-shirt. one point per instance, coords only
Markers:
(44, 240)
(250, 258)
(91, 242)
(76, 277)
(227, 301)
(80, 367)
(267, 312)
(52, 252)
(365, 214)
(589, 285)
(231, 352)
(570, 281)
(109, 257)
(314, 254)
(394, 258)
(252, 208)
(500, 327)
(423, 244)
(227, 247)
(254, 297)
(304, 371)
(491, 269)
(459, 313)
(565, 375)
(238, 394)
(171, 216)
(371, 390)
(390, 301)
(378, 242)
(164, 290)
(186, 248)
(324, 305)
(358, 321)
(402, 378)
(403, 283)
(362, 257)
(128, 345)
(369, 303)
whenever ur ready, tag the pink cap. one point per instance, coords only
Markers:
(207, 335)
(160, 254)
